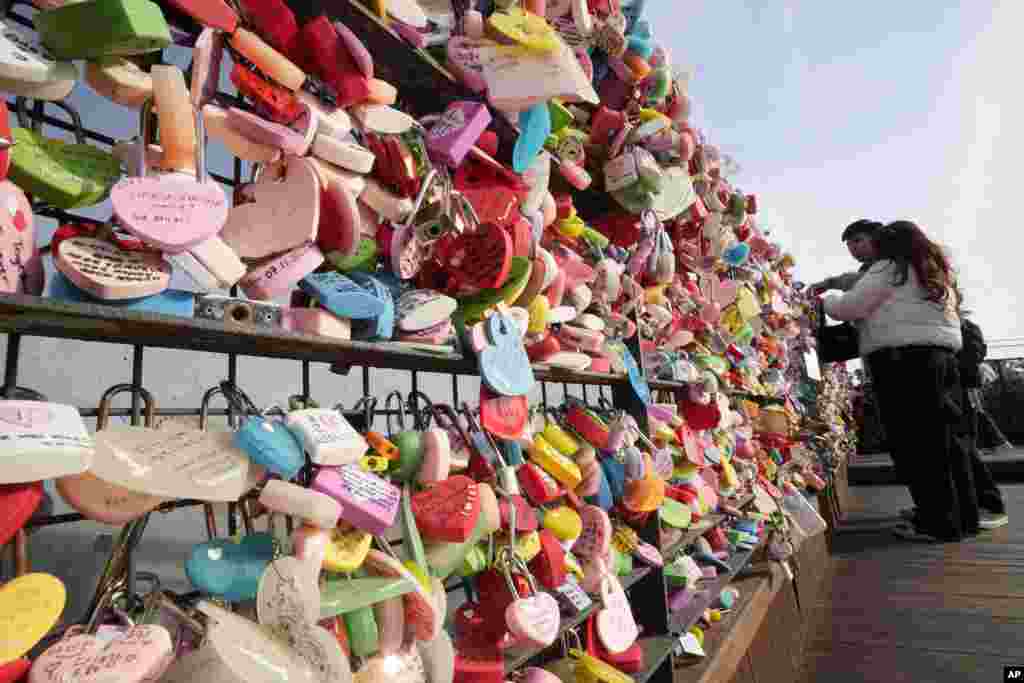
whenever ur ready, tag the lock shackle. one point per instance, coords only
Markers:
(103, 410)
(421, 417)
(475, 426)
(400, 413)
(447, 418)
(425, 186)
(146, 130)
(36, 122)
(607, 406)
(204, 406)
(369, 408)
(509, 561)
(470, 218)
(471, 424)
(238, 399)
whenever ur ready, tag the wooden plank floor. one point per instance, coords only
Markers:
(899, 611)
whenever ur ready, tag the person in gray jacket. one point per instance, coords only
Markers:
(905, 305)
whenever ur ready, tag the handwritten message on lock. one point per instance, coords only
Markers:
(171, 204)
(196, 454)
(104, 262)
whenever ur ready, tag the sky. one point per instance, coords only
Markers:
(885, 110)
(839, 111)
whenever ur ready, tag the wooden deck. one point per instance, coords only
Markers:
(900, 611)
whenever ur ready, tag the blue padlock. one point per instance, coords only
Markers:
(230, 570)
(342, 296)
(381, 327)
(511, 451)
(271, 444)
(615, 474)
(168, 302)
(603, 499)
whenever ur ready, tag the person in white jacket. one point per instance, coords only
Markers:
(905, 306)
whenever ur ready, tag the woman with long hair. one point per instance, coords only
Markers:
(906, 305)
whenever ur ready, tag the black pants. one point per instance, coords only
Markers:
(921, 406)
(988, 494)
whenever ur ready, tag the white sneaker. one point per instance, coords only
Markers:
(992, 520)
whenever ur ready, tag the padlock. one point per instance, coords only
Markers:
(327, 56)
(456, 131)
(268, 443)
(99, 28)
(28, 69)
(278, 103)
(327, 436)
(56, 172)
(66, 449)
(368, 502)
(199, 208)
(134, 651)
(228, 568)
(533, 619)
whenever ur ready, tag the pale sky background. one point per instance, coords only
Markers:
(838, 111)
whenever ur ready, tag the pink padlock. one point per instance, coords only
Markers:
(317, 508)
(317, 321)
(367, 501)
(458, 130)
(278, 276)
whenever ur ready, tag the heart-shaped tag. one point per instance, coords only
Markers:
(175, 463)
(171, 212)
(29, 607)
(534, 619)
(286, 594)
(447, 510)
(229, 569)
(17, 503)
(503, 416)
(249, 651)
(104, 502)
(280, 214)
(137, 655)
(107, 272)
(616, 626)
(482, 259)
(596, 536)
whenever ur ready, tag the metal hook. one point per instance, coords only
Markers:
(239, 400)
(400, 413)
(421, 417)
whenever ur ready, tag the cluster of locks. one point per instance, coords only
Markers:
(425, 226)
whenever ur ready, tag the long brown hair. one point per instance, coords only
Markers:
(907, 245)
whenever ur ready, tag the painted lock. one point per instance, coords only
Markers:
(228, 569)
(42, 441)
(28, 69)
(98, 28)
(271, 444)
(554, 463)
(327, 436)
(367, 501)
(62, 174)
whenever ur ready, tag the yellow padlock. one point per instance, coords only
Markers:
(346, 550)
(560, 439)
(655, 295)
(538, 310)
(593, 670)
(547, 457)
(564, 522)
(729, 477)
(527, 545)
(374, 463)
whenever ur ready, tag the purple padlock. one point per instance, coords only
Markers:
(458, 130)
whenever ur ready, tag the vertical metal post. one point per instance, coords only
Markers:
(455, 389)
(366, 392)
(565, 391)
(544, 394)
(137, 353)
(415, 381)
(11, 364)
(305, 383)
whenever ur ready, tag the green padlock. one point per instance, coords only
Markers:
(408, 441)
(361, 625)
(623, 563)
(57, 172)
(364, 258)
(100, 28)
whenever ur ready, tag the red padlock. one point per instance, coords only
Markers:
(629, 661)
(549, 564)
(539, 486)
(495, 597)
(276, 102)
(326, 56)
(6, 140)
(274, 21)
(479, 666)
(213, 13)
